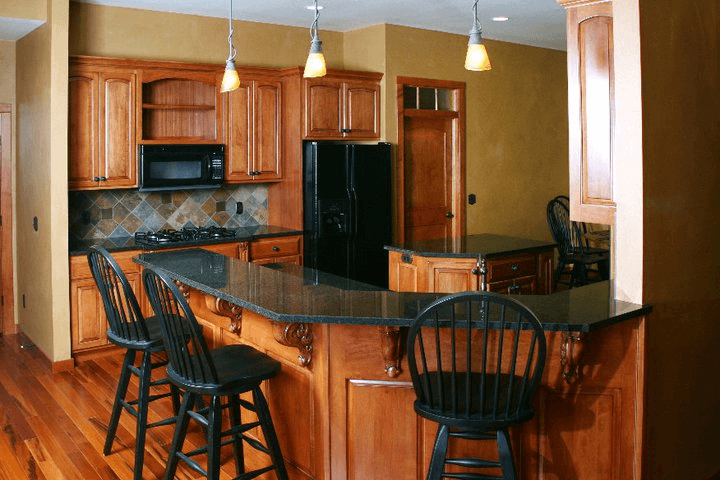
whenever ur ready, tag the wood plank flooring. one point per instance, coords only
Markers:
(54, 425)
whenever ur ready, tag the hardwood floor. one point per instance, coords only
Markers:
(54, 425)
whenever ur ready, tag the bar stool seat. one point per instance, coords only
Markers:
(129, 329)
(221, 373)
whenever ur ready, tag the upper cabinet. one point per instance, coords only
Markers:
(101, 122)
(254, 131)
(591, 110)
(342, 105)
(180, 105)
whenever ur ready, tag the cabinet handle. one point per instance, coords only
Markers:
(514, 268)
(96, 179)
(344, 130)
(514, 288)
(449, 215)
(275, 249)
(475, 271)
(102, 179)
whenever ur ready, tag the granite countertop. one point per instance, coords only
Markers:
(288, 293)
(471, 246)
(118, 244)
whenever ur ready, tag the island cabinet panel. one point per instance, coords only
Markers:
(101, 127)
(591, 107)
(508, 274)
(342, 105)
(254, 131)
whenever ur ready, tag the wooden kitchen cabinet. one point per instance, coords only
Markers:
(277, 250)
(88, 323)
(529, 273)
(180, 105)
(101, 127)
(254, 131)
(591, 110)
(342, 105)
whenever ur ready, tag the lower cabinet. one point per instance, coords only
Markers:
(88, 322)
(276, 250)
(526, 273)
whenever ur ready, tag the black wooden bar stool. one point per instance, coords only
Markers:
(224, 372)
(127, 328)
(475, 359)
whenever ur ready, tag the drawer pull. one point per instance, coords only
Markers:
(275, 248)
(406, 258)
(514, 267)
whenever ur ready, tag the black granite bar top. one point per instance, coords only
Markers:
(119, 244)
(472, 246)
(288, 293)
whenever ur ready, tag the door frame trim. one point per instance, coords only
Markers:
(458, 163)
(6, 210)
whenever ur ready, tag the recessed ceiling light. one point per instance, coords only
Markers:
(500, 19)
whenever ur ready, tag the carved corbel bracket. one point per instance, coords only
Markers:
(298, 335)
(390, 340)
(221, 307)
(571, 348)
(184, 289)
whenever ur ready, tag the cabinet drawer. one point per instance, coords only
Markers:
(512, 267)
(518, 286)
(274, 247)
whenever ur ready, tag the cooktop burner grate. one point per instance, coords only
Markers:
(188, 234)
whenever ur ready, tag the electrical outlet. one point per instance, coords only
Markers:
(239, 208)
(23, 300)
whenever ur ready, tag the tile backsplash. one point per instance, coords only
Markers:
(120, 213)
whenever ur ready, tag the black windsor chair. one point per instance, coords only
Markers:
(475, 359)
(573, 247)
(129, 329)
(226, 371)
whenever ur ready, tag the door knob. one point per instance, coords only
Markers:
(449, 215)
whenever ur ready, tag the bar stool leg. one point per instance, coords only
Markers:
(142, 413)
(119, 398)
(235, 420)
(437, 461)
(214, 437)
(181, 427)
(263, 412)
(506, 456)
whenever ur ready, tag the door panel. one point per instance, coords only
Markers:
(428, 178)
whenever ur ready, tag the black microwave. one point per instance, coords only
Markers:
(168, 167)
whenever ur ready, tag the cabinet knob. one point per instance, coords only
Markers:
(102, 179)
(345, 130)
(514, 268)
(514, 288)
(449, 215)
(275, 248)
(475, 271)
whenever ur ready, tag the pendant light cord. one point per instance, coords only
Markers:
(476, 22)
(233, 52)
(314, 26)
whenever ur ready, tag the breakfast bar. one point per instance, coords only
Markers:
(342, 403)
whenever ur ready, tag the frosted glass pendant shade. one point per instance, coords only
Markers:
(231, 80)
(477, 58)
(315, 65)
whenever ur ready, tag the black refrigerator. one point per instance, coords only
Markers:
(347, 196)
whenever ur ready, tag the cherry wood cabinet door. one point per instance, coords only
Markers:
(101, 128)
(362, 110)
(254, 132)
(117, 130)
(82, 129)
(591, 106)
(88, 323)
(323, 108)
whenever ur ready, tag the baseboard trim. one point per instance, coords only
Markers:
(63, 365)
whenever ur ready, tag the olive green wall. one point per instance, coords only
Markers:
(25, 9)
(144, 34)
(516, 123)
(41, 184)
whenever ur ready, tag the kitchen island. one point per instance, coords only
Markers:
(342, 403)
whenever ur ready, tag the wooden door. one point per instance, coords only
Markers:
(7, 320)
(239, 127)
(323, 108)
(117, 164)
(267, 129)
(428, 176)
(82, 129)
(362, 110)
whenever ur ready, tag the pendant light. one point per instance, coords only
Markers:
(315, 65)
(230, 80)
(477, 58)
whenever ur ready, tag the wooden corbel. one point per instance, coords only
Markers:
(221, 307)
(390, 340)
(298, 335)
(571, 348)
